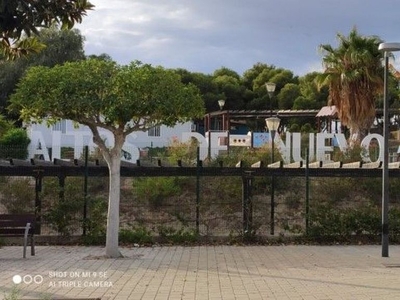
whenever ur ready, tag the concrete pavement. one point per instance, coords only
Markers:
(202, 272)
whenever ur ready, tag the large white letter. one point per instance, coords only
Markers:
(297, 146)
(365, 144)
(284, 150)
(321, 148)
(186, 136)
(341, 140)
(39, 147)
(215, 145)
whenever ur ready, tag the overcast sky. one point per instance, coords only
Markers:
(204, 35)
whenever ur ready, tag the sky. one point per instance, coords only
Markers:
(205, 35)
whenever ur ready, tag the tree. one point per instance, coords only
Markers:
(287, 95)
(24, 17)
(62, 46)
(205, 83)
(102, 94)
(353, 72)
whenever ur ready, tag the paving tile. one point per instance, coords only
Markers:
(203, 272)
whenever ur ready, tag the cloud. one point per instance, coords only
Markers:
(205, 35)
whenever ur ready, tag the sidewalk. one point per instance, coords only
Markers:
(204, 272)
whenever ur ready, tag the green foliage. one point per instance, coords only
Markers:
(136, 235)
(63, 206)
(14, 144)
(327, 220)
(287, 95)
(22, 17)
(352, 154)
(17, 195)
(155, 189)
(307, 128)
(178, 236)
(185, 152)
(5, 125)
(63, 216)
(95, 222)
(62, 46)
(14, 295)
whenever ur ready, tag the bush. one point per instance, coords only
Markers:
(17, 195)
(95, 224)
(326, 220)
(62, 216)
(178, 236)
(156, 189)
(14, 144)
(136, 235)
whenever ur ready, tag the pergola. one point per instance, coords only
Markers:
(225, 118)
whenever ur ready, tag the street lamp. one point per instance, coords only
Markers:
(272, 125)
(386, 48)
(270, 89)
(221, 104)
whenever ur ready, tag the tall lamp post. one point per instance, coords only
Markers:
(270, 89)
(272, 125)
(386, 48)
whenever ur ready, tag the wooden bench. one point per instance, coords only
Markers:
(16, 225)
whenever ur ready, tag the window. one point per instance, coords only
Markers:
(60, 126)
(154, 131)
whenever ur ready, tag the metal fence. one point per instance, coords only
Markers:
(210, 205)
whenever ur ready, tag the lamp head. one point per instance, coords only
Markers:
(221, 103)
(270, 87)
(273, 123)
(389, 47)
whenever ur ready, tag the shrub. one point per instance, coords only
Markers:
(136, 235)
(95, 223)
(178, 236)
(17, 195)
(62, 216)
(326, 220)
(156, 189)
(14, 144)
(185, 152)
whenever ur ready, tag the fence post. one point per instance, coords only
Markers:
(38, 201)
(307, 193)
(247, 205)
(85, 190)
(198, 166)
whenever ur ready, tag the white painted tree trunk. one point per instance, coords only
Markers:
(113, 205)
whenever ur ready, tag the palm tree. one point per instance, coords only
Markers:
(353, 73)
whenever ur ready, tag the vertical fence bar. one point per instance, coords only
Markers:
(198, 165)
(307, 192)
(247, 204)
(244, 203)
(38, 201)
(85, 190)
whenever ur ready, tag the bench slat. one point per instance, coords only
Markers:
(17, 217)
(13, 231)
(13, 223)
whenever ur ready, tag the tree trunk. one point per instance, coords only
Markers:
(357, 134)
(113, 205)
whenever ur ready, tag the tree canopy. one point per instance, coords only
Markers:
(24, 17)
(62, 46)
